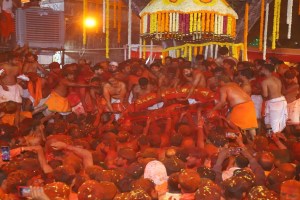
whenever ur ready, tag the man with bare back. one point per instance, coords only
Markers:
(114, 93)
(143, 88)
(276, 105)
(57, 101)
(242, 107)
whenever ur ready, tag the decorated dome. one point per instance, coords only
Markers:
(189, 20)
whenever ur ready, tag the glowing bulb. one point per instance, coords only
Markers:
(90, 22)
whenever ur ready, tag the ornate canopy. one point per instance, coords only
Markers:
(189, 20)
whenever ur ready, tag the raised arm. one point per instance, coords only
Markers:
(41, 157)
(84, 154)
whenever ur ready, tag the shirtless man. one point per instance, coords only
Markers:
(194, 78)
(291, 94)
(9, 89)
(242, 108)
(276, 105)
(31, 65)
(58, 101)
(142, 88)
(244, 78)
(160, 77)
(114, 92)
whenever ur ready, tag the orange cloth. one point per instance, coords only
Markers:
(57, 103)
(36, 92)
(7, 25)
(10, 118)
(243, 115)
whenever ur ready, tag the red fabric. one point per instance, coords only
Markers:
(7, 25)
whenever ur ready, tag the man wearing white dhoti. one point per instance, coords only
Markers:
(276, 105)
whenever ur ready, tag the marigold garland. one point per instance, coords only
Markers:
(199, 22)
(246, 31)
(191, 25)
(278, 19)
(167, 22)
(207, 25)
(261, 26)
(275, 23)
(120, 21)
(195, 51)
(159, 22)
(162, 22)
(115, 13)
(229, 24)
(212, 23)
(170, 22)
(190, 52)
(203, 22)
(195, 22)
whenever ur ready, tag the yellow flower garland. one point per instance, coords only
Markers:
(115, 13)
(191, 22)
(195, 51)
(201, 50)
(187, 49)
(159, 22)
(261, 26)
(212, 23)
(229, 24)
(167, 22)
(278, 19)
(120, 21)
(207, 25)
(274, 34)
(195, 22)
(199, 23)
(246, 31)
(203, 22)
(163, 22)
(190, 53)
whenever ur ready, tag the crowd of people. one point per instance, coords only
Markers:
(174, 130)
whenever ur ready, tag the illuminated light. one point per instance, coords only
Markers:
(90, 22)
(161, 56)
